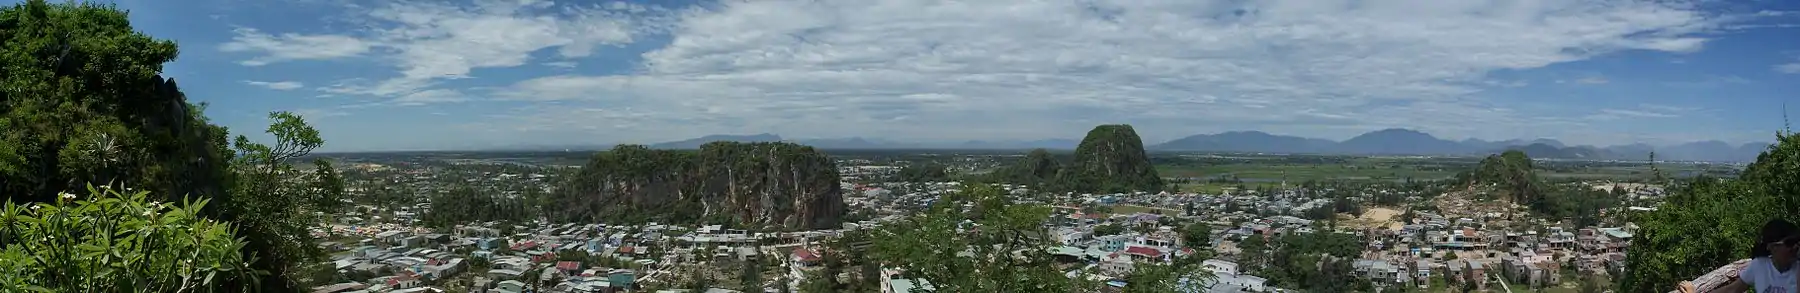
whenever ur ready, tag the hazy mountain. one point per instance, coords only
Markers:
(1549, 151)
(1711, 150)
(1630, 152)
(1052, 143)
(1248, 142)
(1480, 144)
(697, 142)
(1396, 141)
(854, 143)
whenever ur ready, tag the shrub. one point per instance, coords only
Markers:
(115, 240)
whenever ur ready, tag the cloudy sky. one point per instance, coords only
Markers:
(390, 75)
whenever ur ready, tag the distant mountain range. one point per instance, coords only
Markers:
(1393, 141)
(1411, 142)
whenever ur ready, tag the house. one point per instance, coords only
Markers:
(447, 268)
(1071, 236)
(1145, 253)
(907, 286)
(1422, 272)
(1115, 264)
(340, 287)
(505, 274)
(391, 237)
(621, 278)
(1474, 273)
(1376, 269)
(509, 286)
(569, 268)
(1220, 266)
(1113, 243)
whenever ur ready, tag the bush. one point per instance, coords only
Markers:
(113, 240)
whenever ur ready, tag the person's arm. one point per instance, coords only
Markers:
(1736, 286)
(1737, 283)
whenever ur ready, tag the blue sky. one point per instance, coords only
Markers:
(414, 75)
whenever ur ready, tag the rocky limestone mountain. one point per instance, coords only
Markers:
(1109, 159)
(760, 184)
(1036, 169)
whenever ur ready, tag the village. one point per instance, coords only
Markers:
(1456, 243)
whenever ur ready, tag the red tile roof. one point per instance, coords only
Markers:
(1144, 251)
(806, 255)
(568, 265)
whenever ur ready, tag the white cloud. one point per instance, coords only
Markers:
(430, 40)
(1017, 69)
(276, 85)
(1592, 80)
(825, 68)
(1642, 111)
(1790, 68)
(429, 97)
(290, 46)
(315, 115)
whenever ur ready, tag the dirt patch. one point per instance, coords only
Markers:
(1380, 217)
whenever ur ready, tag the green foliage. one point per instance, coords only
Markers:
(1035, 170)
(1108, 229)
(988, 247)
(1317, 262)
(274, 210)
(119, 240)
(1196, 235)
(1705, 222)
(721, 183)
(926, 172)
(463, 204)
(1110, 159)
(82, 101)
(1513, 172)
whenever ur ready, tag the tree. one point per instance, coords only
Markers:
(926, 172)
(1108, 229)
(159, 247)
(986, 248)
(1708, 222)
(1591, 284)
(751, 277)
(84, 101)
(274, 211)
(1197, 235)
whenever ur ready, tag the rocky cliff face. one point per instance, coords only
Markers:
(752, 184)
(1110, 159)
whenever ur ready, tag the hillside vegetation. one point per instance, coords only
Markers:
(1110, 159)
(1707, 222)
(84, 101)
(761, 184)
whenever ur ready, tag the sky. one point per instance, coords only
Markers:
(456, 74)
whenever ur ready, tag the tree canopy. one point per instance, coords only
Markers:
(1708, 222)
(987, 246)
(83, 101)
